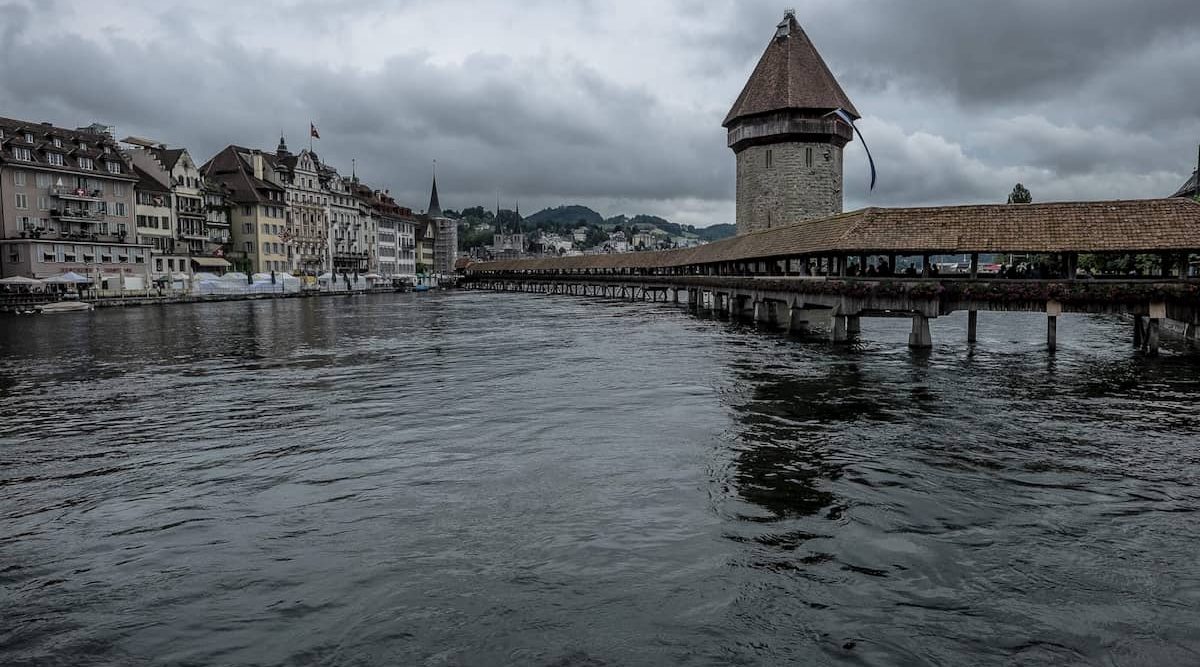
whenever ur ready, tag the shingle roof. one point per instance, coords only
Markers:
(147, 183)
(1146, 225)
(230, 169)
(790, 75)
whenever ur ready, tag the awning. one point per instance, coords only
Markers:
(211, 261)
(21, 280)
(68, 278)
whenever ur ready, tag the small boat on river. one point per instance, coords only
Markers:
(64, 307)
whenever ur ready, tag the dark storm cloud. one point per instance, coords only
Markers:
(1079, 98)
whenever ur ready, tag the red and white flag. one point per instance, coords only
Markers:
(312, 131)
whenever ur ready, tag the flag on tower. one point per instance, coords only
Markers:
(312, 130)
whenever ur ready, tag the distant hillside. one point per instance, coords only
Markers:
(573, 214)
(717, 232)
(476, 225)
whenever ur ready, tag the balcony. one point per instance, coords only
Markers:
(77, 194)
(76, 215)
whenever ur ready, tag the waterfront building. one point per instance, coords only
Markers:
(192, 244)
(257, 209)
(445, 237)
(787, 136)
(424, 234)
(368, 218)
(347, 237)
(67, 203)
(216, 221)
(154, 228)
(394, 239)
(306, 227)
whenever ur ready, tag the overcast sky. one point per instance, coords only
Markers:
(617, 104)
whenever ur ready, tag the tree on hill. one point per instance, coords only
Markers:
(1020, 195)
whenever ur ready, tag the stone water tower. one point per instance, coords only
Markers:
(786, 136)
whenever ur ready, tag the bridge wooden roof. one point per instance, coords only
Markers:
(1144, 225)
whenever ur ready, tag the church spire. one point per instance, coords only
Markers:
(517, 222)
(282, 148)
(435, 207)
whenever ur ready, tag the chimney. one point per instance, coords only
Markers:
(258, 165)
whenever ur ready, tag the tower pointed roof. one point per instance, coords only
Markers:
(790, 75)
(435, 207)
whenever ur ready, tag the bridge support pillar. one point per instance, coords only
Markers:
(853, 325)
(762, 312)
(920, 337)
(1152, 334)
(972, 326)
(1189, 334)
(1137, 332)
(837, 329)
(797, 318)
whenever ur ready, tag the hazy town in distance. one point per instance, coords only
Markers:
(828, 335)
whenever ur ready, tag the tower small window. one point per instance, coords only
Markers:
(769, 156)
(808, 157)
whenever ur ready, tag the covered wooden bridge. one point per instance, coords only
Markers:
(877, 262)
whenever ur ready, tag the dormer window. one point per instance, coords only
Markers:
(22, 154)
(55, 159)
(57, 142)
(82, 146)
(29, 137)
(86, 163)
(114, 167)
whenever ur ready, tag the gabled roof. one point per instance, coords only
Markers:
(148, 183)
(167, 157)
(230, 167)
(790, 75)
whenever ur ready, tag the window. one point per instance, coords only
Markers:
(114, 167)
(249, 246)
(22, 201)
(158, 265)
(808, 157)
(18, 177)
(22, 154)
(120, 229)
(769, 156)
(57, 142)
(248, 227)
(86, 163)
(118, 189)
(104, 228)
(28, 138)
(43, 180)
(118, 208)
(43, 203)
(55, 159)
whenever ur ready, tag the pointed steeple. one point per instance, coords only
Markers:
(282, 148)
(791, 75)
(435, 207)
(517, 223)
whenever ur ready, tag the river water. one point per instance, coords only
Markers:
(488, 479)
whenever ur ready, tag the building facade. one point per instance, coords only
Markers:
(66, 203)
(445, 235)
(307, 225)
(787, 136)
(257, 209)
(347, 235)
(193, 244)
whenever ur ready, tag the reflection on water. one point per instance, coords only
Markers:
(512, 479)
